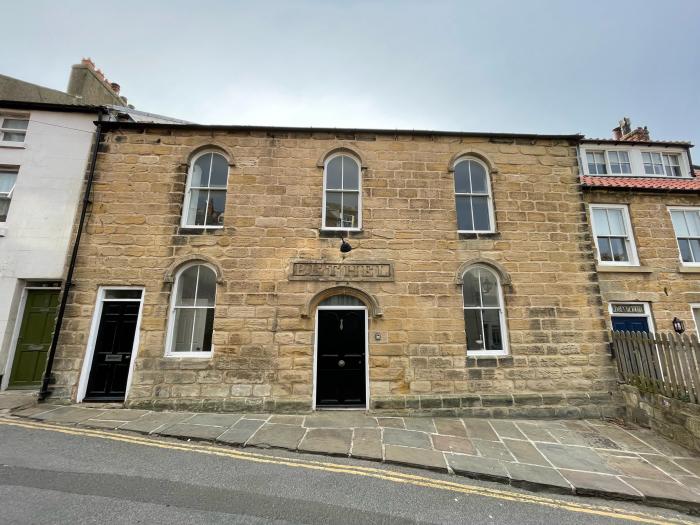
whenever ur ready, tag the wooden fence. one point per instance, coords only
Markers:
(666, 364)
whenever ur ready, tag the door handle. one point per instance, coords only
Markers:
(35, 347)
(341, 363)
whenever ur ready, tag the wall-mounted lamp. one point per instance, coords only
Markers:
(678, 325)
(344, 246)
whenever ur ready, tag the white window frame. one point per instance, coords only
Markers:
(189, 188)
(631, 245)
(169, 338)
(664, 156)
(647, 313)
(315, 360)
(605, 160)
(358, 191)
(3, 129)
(92, 338)
(675, 233)
(608, 162)
(489, 195)
(502, 315)
(696, 319)
(8, 194)
(636, 159)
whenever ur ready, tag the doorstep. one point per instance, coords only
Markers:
(584, 457)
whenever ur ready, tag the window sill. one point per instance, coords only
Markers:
(190, 355)
(602, 268)
(325, 233)
(486, 354)
(681, 269)
(10, 144)
(479, 235)
(190, 230)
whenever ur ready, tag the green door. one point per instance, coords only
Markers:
(34, 338)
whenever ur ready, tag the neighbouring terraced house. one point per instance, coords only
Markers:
(643, 199)
(46, 137)
(233, 267)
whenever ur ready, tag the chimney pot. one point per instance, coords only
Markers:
(115, 87)
(617, 133)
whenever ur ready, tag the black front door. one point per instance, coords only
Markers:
(630, 324)
(340, 366)
(115, 340)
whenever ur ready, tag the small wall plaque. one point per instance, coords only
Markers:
(341, 271)
(627, 308)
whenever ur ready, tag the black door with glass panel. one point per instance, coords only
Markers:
(111, 359)
(340, 366)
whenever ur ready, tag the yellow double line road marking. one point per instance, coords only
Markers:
(395, 477)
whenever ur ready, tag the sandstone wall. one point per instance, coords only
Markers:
(263, 345)
(663, 282)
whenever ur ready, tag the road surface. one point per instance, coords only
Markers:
(51, 474)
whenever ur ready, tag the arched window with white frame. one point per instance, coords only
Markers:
(191, 319)
(205, 196)
(484, 315)
(473, 197)
(342, 193)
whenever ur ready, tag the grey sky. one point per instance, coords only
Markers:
(518, 66)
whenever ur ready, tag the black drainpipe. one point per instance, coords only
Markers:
(44, 392)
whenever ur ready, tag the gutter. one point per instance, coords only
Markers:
(44, 392)
(116, 125)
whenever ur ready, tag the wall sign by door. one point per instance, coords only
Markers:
(627, 308)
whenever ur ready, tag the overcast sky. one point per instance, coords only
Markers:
(496, 65)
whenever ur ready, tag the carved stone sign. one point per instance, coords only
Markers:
(628, 308)
(341, 271)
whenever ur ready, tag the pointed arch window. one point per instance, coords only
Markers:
(342, 193)
(191, 320)
(484, 315)
(205, 196)
(473, 197)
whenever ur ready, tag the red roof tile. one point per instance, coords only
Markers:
(644, 183)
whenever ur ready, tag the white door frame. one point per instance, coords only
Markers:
(92, 339)
(647, 313)
(693, 307)
(313, 402)
(17, 328)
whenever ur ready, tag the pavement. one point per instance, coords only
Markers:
(583, 457)
(51, 473)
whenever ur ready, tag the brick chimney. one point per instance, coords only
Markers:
(90, 85)
(625, 132)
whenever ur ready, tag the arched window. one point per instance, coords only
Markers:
(484, 317)
(192, 312)
(205, 197)
(342, 195)
(473, 197)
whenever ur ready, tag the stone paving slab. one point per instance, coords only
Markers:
(153, 421)
(333, 441)
(69, 414)
(415, 457)
(274, 435)
(241, 431)
(367, 444)
(584, 457)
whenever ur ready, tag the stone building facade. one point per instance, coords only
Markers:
(263, 262)
(657, 202)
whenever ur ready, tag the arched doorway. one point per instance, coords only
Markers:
(340, 354)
